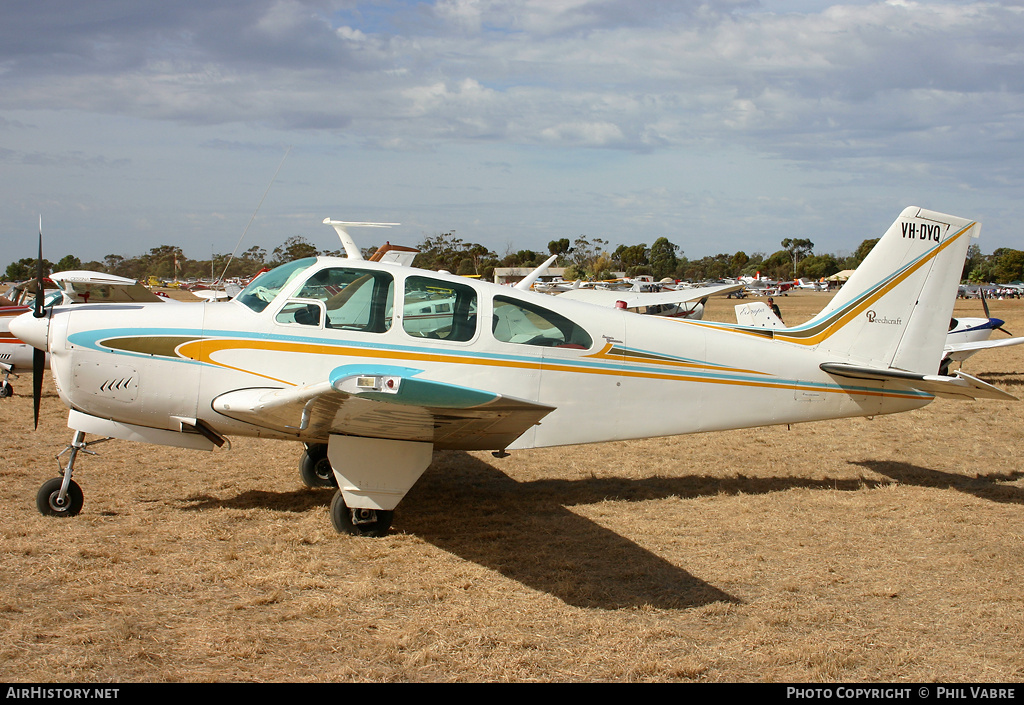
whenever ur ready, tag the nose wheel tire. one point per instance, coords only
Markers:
(6, 389)
(48, 499)
(359, 522)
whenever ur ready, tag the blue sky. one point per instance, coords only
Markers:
(723, 125)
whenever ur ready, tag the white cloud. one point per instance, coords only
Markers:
(588, 134)
(925, 94)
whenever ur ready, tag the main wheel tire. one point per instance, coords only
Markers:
(46, 499)
(6, 390)
(315, 470)
(359, 522)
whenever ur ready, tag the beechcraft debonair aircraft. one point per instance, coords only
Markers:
(334, 353)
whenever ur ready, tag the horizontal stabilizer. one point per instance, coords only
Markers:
(960, 386)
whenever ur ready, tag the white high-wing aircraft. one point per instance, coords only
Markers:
(77, 286)
(810, 284)
(678, 303)
(319, 351)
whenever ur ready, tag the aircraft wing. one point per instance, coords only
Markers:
(96, 287)
(387, 402)
(634, 299)
(960, 385)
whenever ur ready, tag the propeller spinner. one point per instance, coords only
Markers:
(999, 325)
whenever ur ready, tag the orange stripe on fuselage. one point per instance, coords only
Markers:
(204, 350)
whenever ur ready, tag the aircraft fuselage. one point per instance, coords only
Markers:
(633, 376)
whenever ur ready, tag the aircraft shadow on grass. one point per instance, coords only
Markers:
(526, 531)
(981, 486)
(1009, 379)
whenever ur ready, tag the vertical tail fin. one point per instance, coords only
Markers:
(895, 309)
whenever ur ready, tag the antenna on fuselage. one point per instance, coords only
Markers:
(347, 242)
(251, 218)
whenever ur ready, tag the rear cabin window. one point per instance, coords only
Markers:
(439, 309)
(344, 298)
(525, 323)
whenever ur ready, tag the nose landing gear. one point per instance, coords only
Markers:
(6, 390)
(61, 496)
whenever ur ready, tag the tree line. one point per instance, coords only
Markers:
(582, 258)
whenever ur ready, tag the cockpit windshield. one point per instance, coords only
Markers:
(264, 288)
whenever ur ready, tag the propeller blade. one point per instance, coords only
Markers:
(38, 363)
(38, 356)
(984, 303)
(38, 312)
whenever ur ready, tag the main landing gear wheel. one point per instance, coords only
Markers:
(359, 522)
(314, 467)
(49, 503)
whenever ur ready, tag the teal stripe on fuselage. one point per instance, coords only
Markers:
(93, 340)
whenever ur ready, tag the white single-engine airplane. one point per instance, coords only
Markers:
(321, 351)
(968, 336)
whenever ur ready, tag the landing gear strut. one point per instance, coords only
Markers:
(61, 496)
(6, 390)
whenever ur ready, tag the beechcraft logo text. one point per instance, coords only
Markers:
(875, 318)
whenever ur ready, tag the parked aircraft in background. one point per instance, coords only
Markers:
(85, 287)
(15, 355)
(679, 303)
(757, 314)
(321, 351)
(968, 336)
(965, 336)
(810, 285)
(61, 288)
(755, 286)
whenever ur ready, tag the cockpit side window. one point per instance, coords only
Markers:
(353, 299)
(265, 288)
(439, 309)
(302, 312)
(525, 323)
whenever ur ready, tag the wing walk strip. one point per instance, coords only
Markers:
(201, 351)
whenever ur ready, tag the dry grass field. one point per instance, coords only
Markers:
(889, 549)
